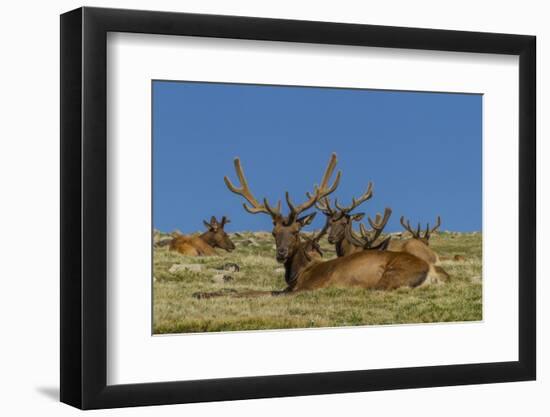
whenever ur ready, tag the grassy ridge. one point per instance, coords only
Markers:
(176, 311)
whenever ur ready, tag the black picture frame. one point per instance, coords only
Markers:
(84, 207)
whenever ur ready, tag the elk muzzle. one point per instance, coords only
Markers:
(282, 255)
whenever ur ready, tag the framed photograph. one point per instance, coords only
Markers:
(258, 208)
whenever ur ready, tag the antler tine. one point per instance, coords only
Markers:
(437, 224)
(324, 205)
(273, 211)
(407, 226)
(322, 232)
(323, 190)
(380, 222)
(319, 191)
(245, 192)
(353, 238)
(433, 229)
(356, 202)
(377, 226)
(364, 232)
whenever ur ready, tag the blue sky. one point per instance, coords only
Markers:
(423, 151)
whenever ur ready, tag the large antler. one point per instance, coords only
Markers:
(319, 192)
(377, 226)
(324, 206)
(407, 227)
(416, 233)
(367, 238)
(355, 202)
(245, 192)
(433, 229)
(322, 232)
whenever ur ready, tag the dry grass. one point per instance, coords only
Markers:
(176, 311)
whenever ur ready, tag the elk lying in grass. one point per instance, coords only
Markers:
(368, 239)
(205, 244)
(339, 218)
(376, 269)
(418, 244)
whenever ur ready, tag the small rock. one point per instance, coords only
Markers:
(459, 258)
(230, 266)
(163, 241)
(222, 278)
(250, 242)
(174, 269)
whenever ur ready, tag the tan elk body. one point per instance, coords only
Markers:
(204, 244)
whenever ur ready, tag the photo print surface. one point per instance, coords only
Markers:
(278, 207)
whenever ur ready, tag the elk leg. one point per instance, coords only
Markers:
(395, 277)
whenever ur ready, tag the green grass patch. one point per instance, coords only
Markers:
(176, 311)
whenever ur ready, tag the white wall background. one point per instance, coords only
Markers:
(29, 177)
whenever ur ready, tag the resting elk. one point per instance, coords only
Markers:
(418, 244)
(339, 218)
(376, 269)
(205, 244)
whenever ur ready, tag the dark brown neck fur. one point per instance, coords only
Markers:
(339, 246)
(296, 264)
(208, 237)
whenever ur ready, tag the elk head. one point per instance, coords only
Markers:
(339, 217)
(216, 236)
(311, 245)
(417, 234)
(368, 238)
(286, 229)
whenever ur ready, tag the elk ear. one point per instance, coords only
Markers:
(224, 221)
(307, 219)
(207, 225)
(357, 217)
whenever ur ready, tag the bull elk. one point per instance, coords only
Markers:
(204, 244)
(340, 218)
(418, 244)
(365, 269)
